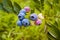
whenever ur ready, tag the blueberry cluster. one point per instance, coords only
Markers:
(23, 21)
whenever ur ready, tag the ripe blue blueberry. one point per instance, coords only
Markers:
(33, 17)
(21, 16)
(23, 11)
(25, 22)
(19, 23)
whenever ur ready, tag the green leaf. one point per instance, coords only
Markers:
(56, 1)
(42, 4)
(1, 6)
(50, 4)
(32, 11)
(36, 1)
(7, 9)
(53, 30)
(56, 23)
(50, 37)
(17, 8)
(38, 9)
(7, 5)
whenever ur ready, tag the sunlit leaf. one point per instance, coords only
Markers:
(53, 31)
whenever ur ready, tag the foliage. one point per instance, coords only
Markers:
(48, 30)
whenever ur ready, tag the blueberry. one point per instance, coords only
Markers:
(27, 8)
(25, 22)
(33, 17)
(19, 23)
(38, 22)
(23, 11)
(21, 16)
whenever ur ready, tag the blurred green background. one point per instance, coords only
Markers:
(48, 30)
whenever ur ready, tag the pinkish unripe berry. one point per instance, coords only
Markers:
(27, 9)
(38, 22)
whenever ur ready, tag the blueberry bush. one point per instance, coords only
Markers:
(49, 29)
